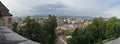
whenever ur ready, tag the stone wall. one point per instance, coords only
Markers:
(7, 36)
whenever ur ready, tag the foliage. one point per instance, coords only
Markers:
(43, 33)
(15, 26)
(97, 31)
(50, 25)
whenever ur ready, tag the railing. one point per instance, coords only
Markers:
(7, 36)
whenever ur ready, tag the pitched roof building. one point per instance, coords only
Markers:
(5, 16)
(8, 36)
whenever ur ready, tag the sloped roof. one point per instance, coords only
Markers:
(2, 6)
(4, 13)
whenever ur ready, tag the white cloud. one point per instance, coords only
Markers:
(74, 7)
(115, 11)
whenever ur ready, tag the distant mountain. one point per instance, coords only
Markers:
(68, 16)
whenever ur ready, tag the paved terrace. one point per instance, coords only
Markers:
(116, 41)
(7, 36)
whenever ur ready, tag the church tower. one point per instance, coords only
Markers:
(5, 16)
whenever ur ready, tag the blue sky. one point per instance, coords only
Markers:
(94, 8)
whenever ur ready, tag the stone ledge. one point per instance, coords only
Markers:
(10, 37)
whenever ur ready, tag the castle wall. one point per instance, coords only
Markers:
(7, 21)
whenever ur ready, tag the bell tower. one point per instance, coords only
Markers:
(5, 16)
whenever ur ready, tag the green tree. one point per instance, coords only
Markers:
(31, 30)
(75, 37)
(15, 26)
(93, 34)
(99, 28)
(43, 33)
(117, 29)
(111, 27)
(97, 31)
(81, 36)
(50, 25)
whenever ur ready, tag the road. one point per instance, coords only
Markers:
(60, 40)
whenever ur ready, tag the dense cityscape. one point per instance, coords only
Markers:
(59, 22)
(65, 25)
(67, 28)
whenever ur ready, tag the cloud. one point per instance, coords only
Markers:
(94, 8)
(49, 7)
(115, 11)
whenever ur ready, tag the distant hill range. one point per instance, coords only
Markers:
(58, 16)
(63, 16)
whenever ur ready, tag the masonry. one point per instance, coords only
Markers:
(5, 16)
(7, 36)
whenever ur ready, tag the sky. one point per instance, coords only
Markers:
(93, 8)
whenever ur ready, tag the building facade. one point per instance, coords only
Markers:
(5, 16)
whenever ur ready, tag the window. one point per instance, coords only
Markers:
(0, 14)
(9, 20)
(0, 17)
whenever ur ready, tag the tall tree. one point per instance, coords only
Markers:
(111, 27)
(43, 33)
(99, 27)
(50, 25)
(15, 26)
(91, 35)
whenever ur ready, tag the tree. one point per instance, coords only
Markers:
(50, 25)
(97, 31)
(99, 28)
(117, 29)
(75, 36)
(91, 35)
(15, 26)
(111, 27)
(43, 33)
(32, 30)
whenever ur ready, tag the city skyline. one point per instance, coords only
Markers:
(94, 8)
(59, 22)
